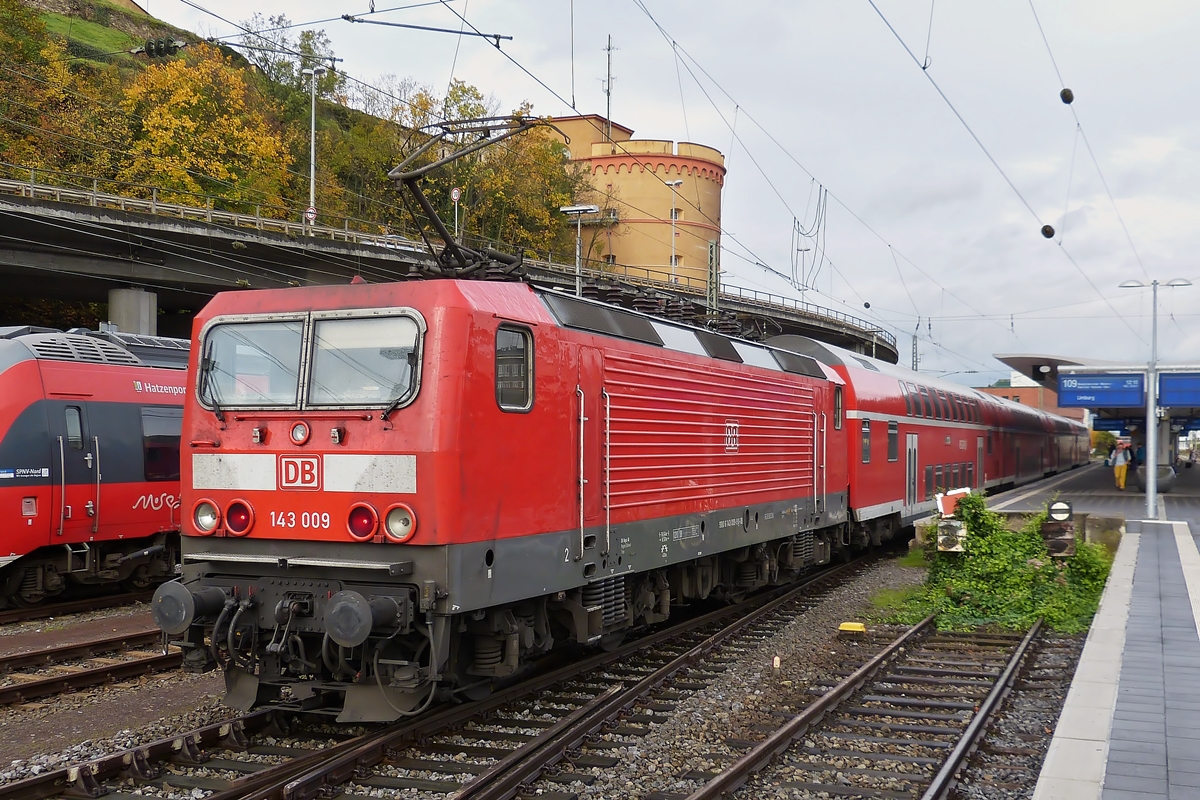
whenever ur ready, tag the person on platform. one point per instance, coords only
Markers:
(1120, 462)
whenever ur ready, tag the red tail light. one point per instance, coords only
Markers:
(362, 522)
(239, 518)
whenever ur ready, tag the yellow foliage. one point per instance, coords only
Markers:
(198, 127)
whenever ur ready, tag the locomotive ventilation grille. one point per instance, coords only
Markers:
(608, 594)
(67, 347)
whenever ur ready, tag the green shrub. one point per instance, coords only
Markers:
(1007, 578)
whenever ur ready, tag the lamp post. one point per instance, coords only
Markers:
(578, 212)
(1152, 393)
(313, 74)
(674, 185)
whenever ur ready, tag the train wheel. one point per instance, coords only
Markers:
(611, 641)
(31, 591)
(139, 580)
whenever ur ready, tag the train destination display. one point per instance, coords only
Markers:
(1099, 390)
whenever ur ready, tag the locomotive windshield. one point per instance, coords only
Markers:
(351, 362)
(363, 362)
(252, 364)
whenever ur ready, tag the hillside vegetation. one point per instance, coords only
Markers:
(212, 125)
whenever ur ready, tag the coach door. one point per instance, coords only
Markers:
(592, 410)
(76, 478)
(980, 475)
(911, 471)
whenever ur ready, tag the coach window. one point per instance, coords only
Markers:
(160, 443)
(908, 406)
(514, 369)
(916, 400)
(926, 402)
(929, 487)
(866, 441)
(938, 481)
(893, 441)
(74, 429)
(837, 408)
(989, 444)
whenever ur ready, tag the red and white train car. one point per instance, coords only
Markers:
(911, 436)
(89, 460)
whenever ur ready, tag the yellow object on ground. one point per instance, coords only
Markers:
(852, 627)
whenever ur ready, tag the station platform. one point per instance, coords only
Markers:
(1130, 726)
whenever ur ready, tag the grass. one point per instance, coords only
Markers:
(914, 558)
(886, 599)
(104, 39)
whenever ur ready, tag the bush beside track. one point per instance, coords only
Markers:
(1006, 578)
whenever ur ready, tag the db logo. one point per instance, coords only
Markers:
(300, 472)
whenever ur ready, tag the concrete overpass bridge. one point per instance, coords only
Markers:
(141, 255)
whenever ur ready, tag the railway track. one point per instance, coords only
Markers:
(42, 673)
(479, 748)
(900, 726)
(73, 607)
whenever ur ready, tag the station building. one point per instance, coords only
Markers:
(640, 212)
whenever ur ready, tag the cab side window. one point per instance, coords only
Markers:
(866, 441)
(837, 408)
(514, 368)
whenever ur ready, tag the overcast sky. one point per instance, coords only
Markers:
(939, 232)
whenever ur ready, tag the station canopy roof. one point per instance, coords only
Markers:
(1043, 369)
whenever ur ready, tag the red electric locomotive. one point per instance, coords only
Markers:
(397, 488)
(89, 460)
(397, 491)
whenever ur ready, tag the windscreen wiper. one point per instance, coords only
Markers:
(206, 367)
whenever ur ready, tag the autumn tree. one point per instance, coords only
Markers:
(197, 126)
(22, 39)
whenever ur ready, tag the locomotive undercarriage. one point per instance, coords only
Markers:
(51, 571)
(379, 651)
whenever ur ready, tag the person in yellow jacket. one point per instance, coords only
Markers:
(1120, 464)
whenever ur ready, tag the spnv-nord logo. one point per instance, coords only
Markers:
(300, 473)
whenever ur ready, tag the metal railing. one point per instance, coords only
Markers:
(85, 190)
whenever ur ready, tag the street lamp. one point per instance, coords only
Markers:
(578, 212)
(313, 74)
(674, 185)
(1152, 393)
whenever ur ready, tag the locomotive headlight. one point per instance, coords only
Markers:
(299, 433)
(362, 522)
(239, 517)
(206, 516)
(400, 523)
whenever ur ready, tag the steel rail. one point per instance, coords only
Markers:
(110, 644)
(108, 673)
(503, 781)
(314, 777)
(782, 739)
(947, 776)
(73, 607)
(83, 780)
(310, 774)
